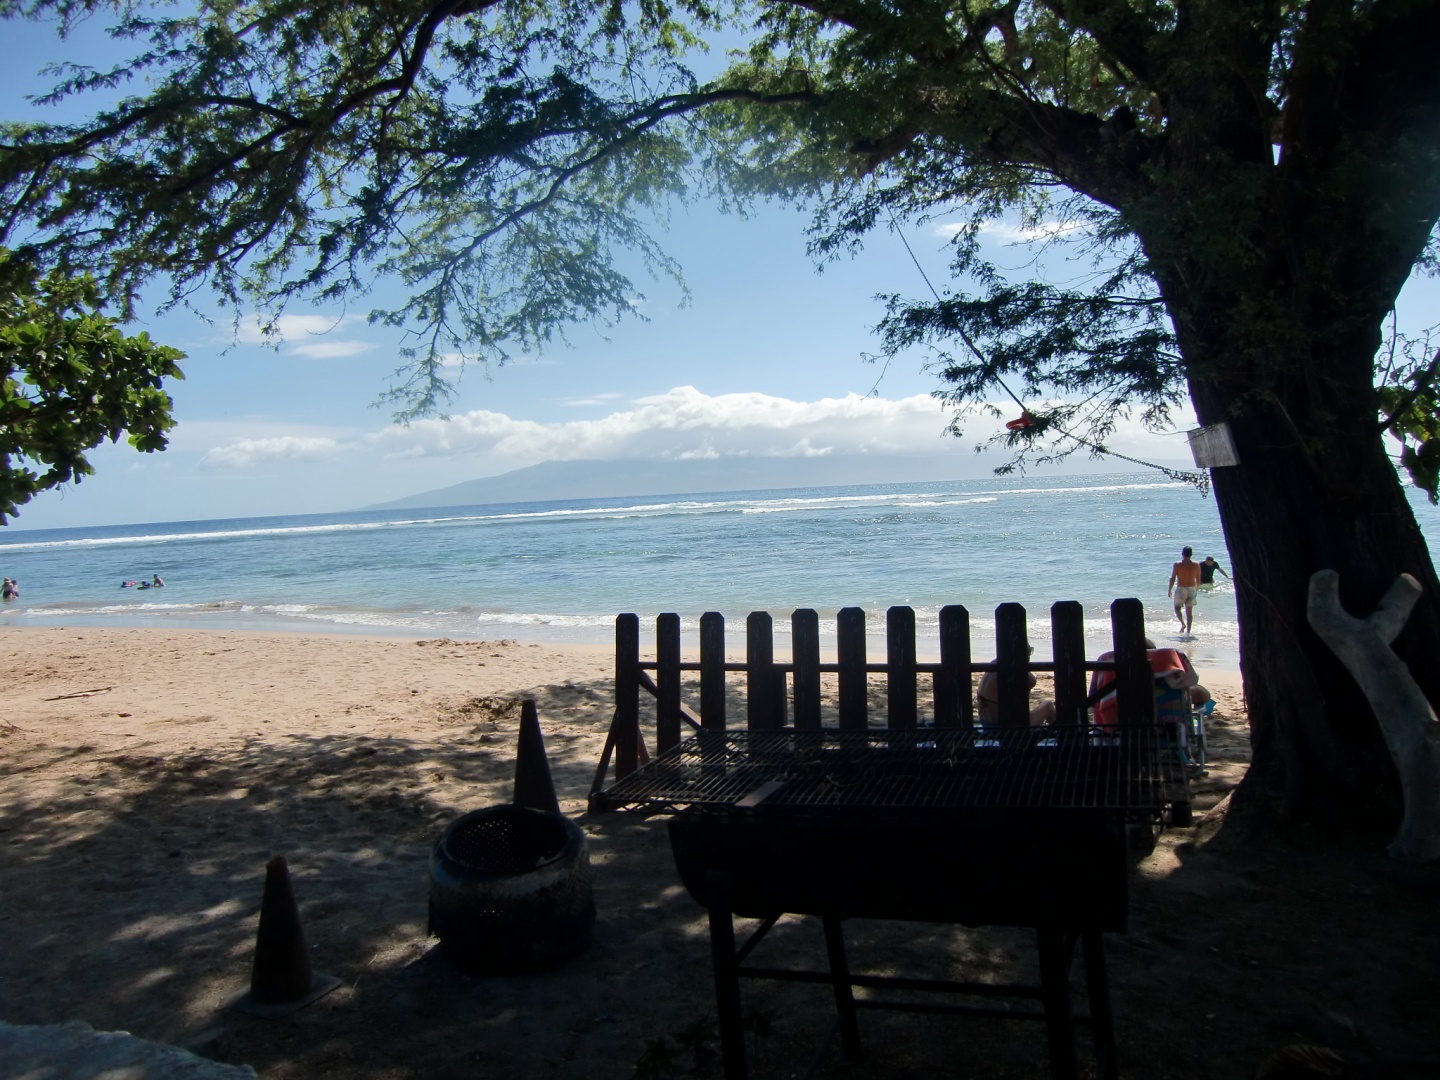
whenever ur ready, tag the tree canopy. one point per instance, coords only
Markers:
(495, 156)
(69, 379)
(1256, 178)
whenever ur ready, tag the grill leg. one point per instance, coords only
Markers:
(844, 992)
(727, 977)
(1055, 947)
(1097, 984)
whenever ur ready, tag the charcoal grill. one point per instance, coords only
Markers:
(922, 819)
(1131, 772)
(1011, 827)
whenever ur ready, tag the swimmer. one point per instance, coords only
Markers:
(1208, 566)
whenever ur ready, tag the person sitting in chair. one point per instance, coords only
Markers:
(987, 701)
(1173, 671)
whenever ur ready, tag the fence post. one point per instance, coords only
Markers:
(850, 644)
(760, 672)
(712, 671)
(1012, 681)
(1134, 681)
(900, 668)
(805, 655)
(1067, 634)
(667, 682)
(954, 697)
(627, 694)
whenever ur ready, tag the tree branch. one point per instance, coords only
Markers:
(1119, 29)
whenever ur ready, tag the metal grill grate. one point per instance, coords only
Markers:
(1133, 772)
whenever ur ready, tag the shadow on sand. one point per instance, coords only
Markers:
(130, 900)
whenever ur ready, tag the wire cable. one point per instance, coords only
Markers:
(1198, 480)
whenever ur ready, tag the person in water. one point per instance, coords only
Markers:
(1208, 566)
(157, 583)
(1184, 586)
(10, 590)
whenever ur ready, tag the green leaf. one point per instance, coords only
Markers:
(81, 381)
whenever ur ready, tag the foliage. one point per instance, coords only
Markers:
(693, 1054)
(1080, 358)
(69, 379)
(510, 164)
(1410, 406)
(493, 156)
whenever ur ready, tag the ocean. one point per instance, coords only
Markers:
(562, 571)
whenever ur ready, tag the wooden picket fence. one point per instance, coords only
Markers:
(787, 693)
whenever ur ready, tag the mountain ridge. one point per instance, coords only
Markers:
(560, 480)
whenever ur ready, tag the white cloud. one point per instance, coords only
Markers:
(684, 423)
(595, 399)
(329, 350)
(255, 331)
(245, 453)
(1009, 233)
(299, 332)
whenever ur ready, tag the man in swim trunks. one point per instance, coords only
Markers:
(1208, 566)
(1184, 585)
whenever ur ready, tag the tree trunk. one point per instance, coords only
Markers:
(1295, 505)
(1277, 272)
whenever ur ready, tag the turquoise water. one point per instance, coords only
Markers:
(561, 571)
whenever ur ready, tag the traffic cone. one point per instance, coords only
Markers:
(533, 786)
(282, 980)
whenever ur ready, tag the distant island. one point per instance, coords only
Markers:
(556, 480)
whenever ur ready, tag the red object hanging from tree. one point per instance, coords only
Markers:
(1025, 420)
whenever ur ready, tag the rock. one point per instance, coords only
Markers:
(76, 1051)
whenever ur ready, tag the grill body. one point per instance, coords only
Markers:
(982, 827)
(979, 868)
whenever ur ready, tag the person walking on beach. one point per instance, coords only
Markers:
(1184, 585)
(1208, 566)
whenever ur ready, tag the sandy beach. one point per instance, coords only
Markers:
(147, 775)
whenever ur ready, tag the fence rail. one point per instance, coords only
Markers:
(782, 693)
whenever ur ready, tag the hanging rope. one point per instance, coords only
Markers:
(1198, 480)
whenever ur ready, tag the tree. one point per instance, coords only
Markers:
(69, 379)
(1258, 179)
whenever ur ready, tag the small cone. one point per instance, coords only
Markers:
(282, 980)
(533, 786)
(282, 960)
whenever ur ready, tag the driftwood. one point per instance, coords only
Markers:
(1407, 721)
(82, 693)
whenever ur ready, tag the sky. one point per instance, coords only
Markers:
(767, 358)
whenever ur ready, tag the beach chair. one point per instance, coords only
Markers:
(1199, 716)
(1184, 726)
